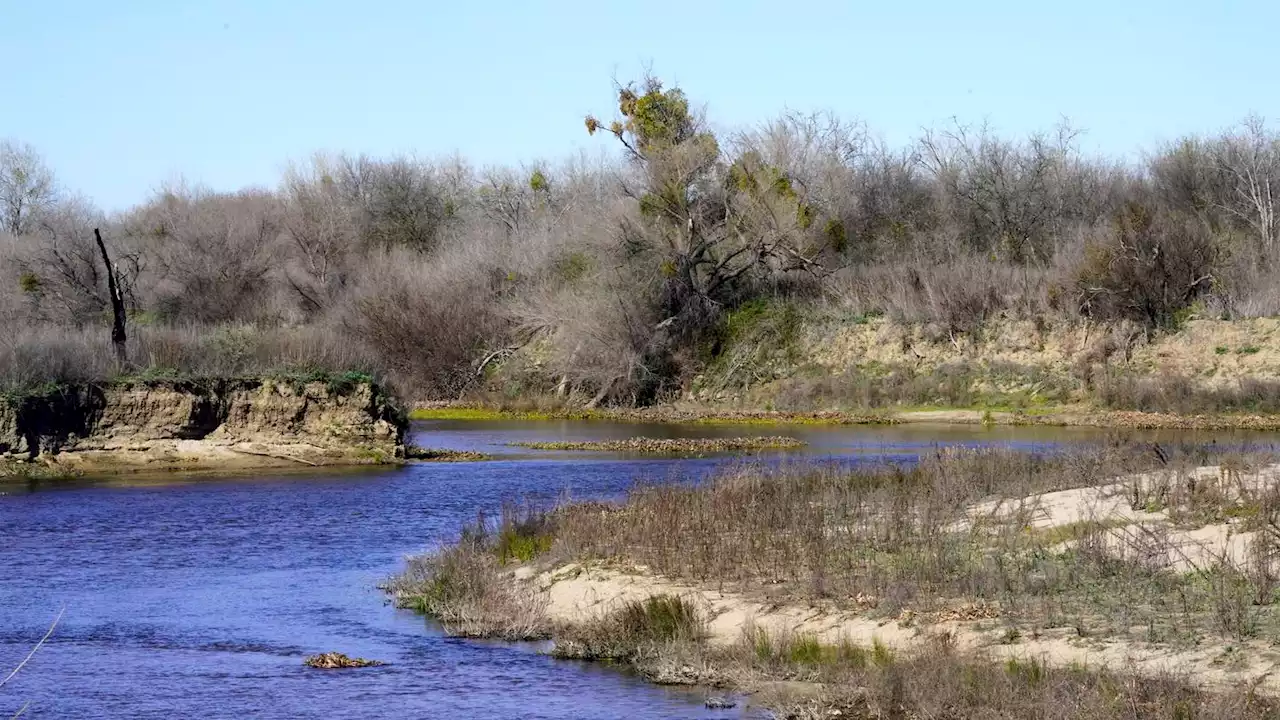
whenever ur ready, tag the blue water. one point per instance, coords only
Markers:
(200, 596)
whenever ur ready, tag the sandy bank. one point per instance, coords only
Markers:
(1191, 523)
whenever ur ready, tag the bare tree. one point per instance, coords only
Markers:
(27, 187)
(66, 262)
(214, 254)
(118, 338)
(1249, 158)
(509, 201)
(398, 201)
(322, 227)
(1006, 196)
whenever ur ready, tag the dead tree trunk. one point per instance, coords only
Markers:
(117, 305)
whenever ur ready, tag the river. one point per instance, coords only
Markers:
(200, 596)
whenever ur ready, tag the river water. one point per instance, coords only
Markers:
(191, 597)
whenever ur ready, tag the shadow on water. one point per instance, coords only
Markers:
(199, 596)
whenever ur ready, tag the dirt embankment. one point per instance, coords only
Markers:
(828, 368)
(834, 362)
(202, 424)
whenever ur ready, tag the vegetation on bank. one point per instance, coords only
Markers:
(920, 547)
(664, 446)
(664, 414)
(798, 676)
(464, 588)
(14, 470)
(38, 361)
(415, 452)
(620, 282)
(942, 682)
(1067, 415)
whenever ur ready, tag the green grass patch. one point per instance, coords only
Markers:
(477, 413)
(661, 618)
(659, 621)
(518, 544)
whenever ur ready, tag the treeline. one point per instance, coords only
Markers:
(621, 269)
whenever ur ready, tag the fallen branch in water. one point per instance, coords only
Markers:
(277, 456)
(336, 660)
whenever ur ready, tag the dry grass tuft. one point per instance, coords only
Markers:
(633, 629)
(465, 588)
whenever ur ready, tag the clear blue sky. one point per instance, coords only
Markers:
(120, 96)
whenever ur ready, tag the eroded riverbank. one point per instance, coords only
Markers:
(200, 424)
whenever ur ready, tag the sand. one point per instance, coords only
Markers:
(576, 593)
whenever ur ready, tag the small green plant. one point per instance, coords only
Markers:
(806, 650)
(573, 266)
(1220, 350)
(881, 654)
(1249, 350)
(512, 545)
(851, 654)
(538, 182)
(523, 534)
(30, 283)
(1030, 671)
(761, 643)
(343, 383)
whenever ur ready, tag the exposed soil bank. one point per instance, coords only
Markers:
(202, 424)
(785, 366)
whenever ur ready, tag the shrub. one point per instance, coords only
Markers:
(464, 588)
(1150, 268)
(427, 324)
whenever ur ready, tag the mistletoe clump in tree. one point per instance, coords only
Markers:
(715, 232)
